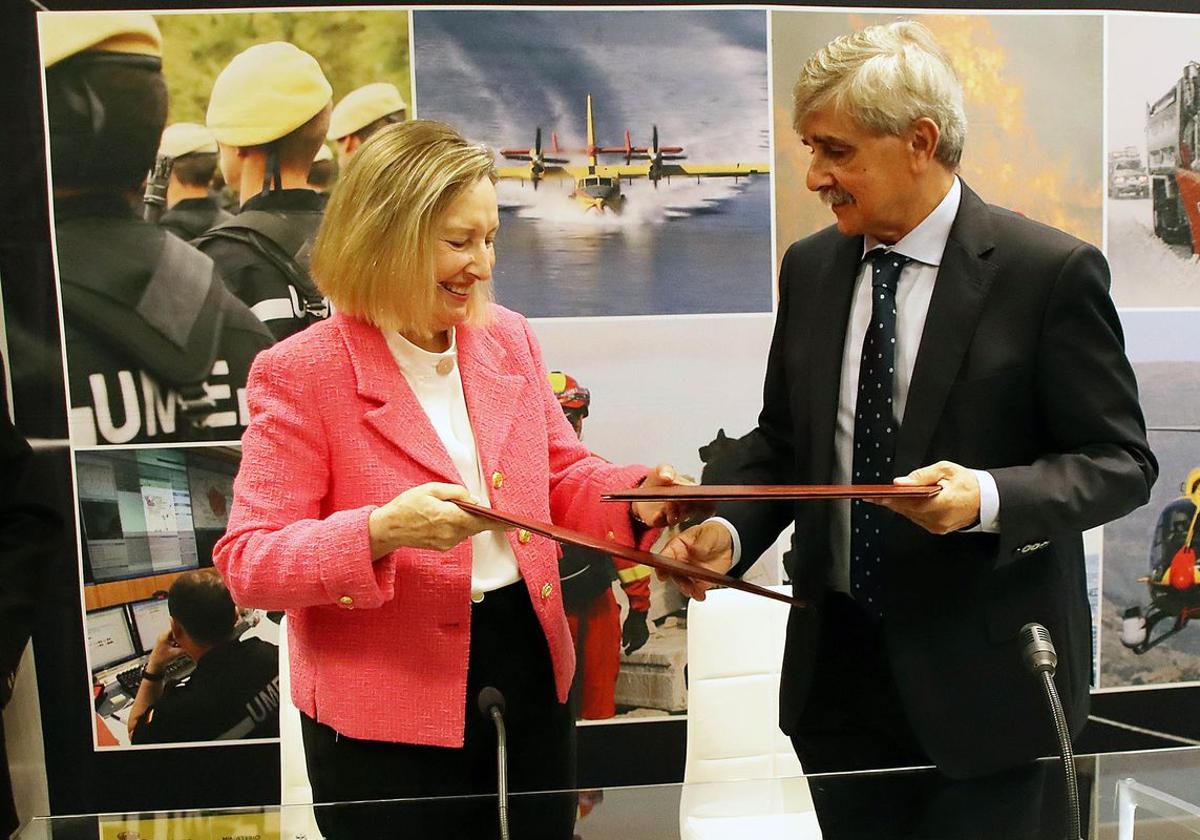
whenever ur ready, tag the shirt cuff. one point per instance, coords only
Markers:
(989, 505)
(737, 542)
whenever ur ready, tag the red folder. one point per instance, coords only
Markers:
(658, 561)
(745, 492)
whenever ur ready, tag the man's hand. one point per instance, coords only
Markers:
(663, 514)
(165, 652)
(708, 544)
(954, 508)
(634, 632)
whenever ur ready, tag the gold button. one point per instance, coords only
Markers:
(476, 596)
(497, 479)
(346, 601)
(612, 536)
(547, 589)
(445, 365)
(524, 536)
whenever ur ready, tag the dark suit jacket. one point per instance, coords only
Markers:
(1022, 372)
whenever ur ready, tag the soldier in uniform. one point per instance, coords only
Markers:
(361, 113)
(269, 111)
(192, 206)
(323, 174)
(592, 611)
(158, 350)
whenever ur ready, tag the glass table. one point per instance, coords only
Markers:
(1126, 796)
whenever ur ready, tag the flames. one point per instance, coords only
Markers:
(1008, 160)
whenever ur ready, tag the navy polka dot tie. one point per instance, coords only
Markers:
(874, 431)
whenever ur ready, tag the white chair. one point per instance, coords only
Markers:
(296, 822)
(742, 776)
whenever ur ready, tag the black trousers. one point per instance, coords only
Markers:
(508, 651)
(853, 720)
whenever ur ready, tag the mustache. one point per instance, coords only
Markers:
(835, 195)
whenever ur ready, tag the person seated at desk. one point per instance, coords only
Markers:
(234, 691)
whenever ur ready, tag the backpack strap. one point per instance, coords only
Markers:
(285, 240)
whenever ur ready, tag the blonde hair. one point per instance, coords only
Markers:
(374, 256)
(886, 77)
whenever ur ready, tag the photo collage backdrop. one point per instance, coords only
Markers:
(657, 294)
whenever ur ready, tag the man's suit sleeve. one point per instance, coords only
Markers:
(766, 455)
(1099, 465)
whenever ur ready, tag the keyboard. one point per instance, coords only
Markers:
(177, 669)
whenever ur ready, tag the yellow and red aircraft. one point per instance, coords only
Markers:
(597, 185)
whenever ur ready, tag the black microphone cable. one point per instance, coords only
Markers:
(491, 706)
(1041, 658)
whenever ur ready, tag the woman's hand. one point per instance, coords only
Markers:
(423, 517)
(662, 514)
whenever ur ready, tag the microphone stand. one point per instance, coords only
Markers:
(1041, 657)
(1068, 755)
(502, 770)
(491, 704)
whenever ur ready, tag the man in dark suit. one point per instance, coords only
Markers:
(977, 350)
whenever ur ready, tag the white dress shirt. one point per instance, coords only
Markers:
(437, 385)
(924, 246)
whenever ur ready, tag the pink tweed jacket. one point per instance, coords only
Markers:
(379, 650)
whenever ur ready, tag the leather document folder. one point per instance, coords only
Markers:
(747, 492)
(657, 561)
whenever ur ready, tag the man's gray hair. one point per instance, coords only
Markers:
(885, 77)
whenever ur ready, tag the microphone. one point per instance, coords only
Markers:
(1037, 650)
(491, 706)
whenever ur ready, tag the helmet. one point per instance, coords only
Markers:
(1191, 485)
(572, 397)
(179, 139)
(266, 92)
(362, 106)
(65, 34)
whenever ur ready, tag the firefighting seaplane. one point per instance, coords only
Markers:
(597, 185)
(1174, 579)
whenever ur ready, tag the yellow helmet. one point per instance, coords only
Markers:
(362, 106)
(1191, 486)
(64, 34)
(265, 93)
(323, 153)
(185, 138)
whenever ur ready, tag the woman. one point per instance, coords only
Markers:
(364, 429)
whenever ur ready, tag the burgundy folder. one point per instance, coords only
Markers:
(658, 561)
(745, 492)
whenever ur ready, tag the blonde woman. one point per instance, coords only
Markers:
(363, 430)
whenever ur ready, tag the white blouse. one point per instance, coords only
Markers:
(435, 380)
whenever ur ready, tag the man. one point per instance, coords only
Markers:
(269, 110)
(157, 349)
(30, 533)
(324, 171)
(361, 113)
(979, 352)
(592, 610)
(234, 690)
(192, 206)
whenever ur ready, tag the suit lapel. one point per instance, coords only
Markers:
(491, 394)
(399, 418)
(826, 317)
(959, 293)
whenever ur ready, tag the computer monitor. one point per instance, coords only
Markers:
(110, 639)
(136, 512)
(151, 620)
